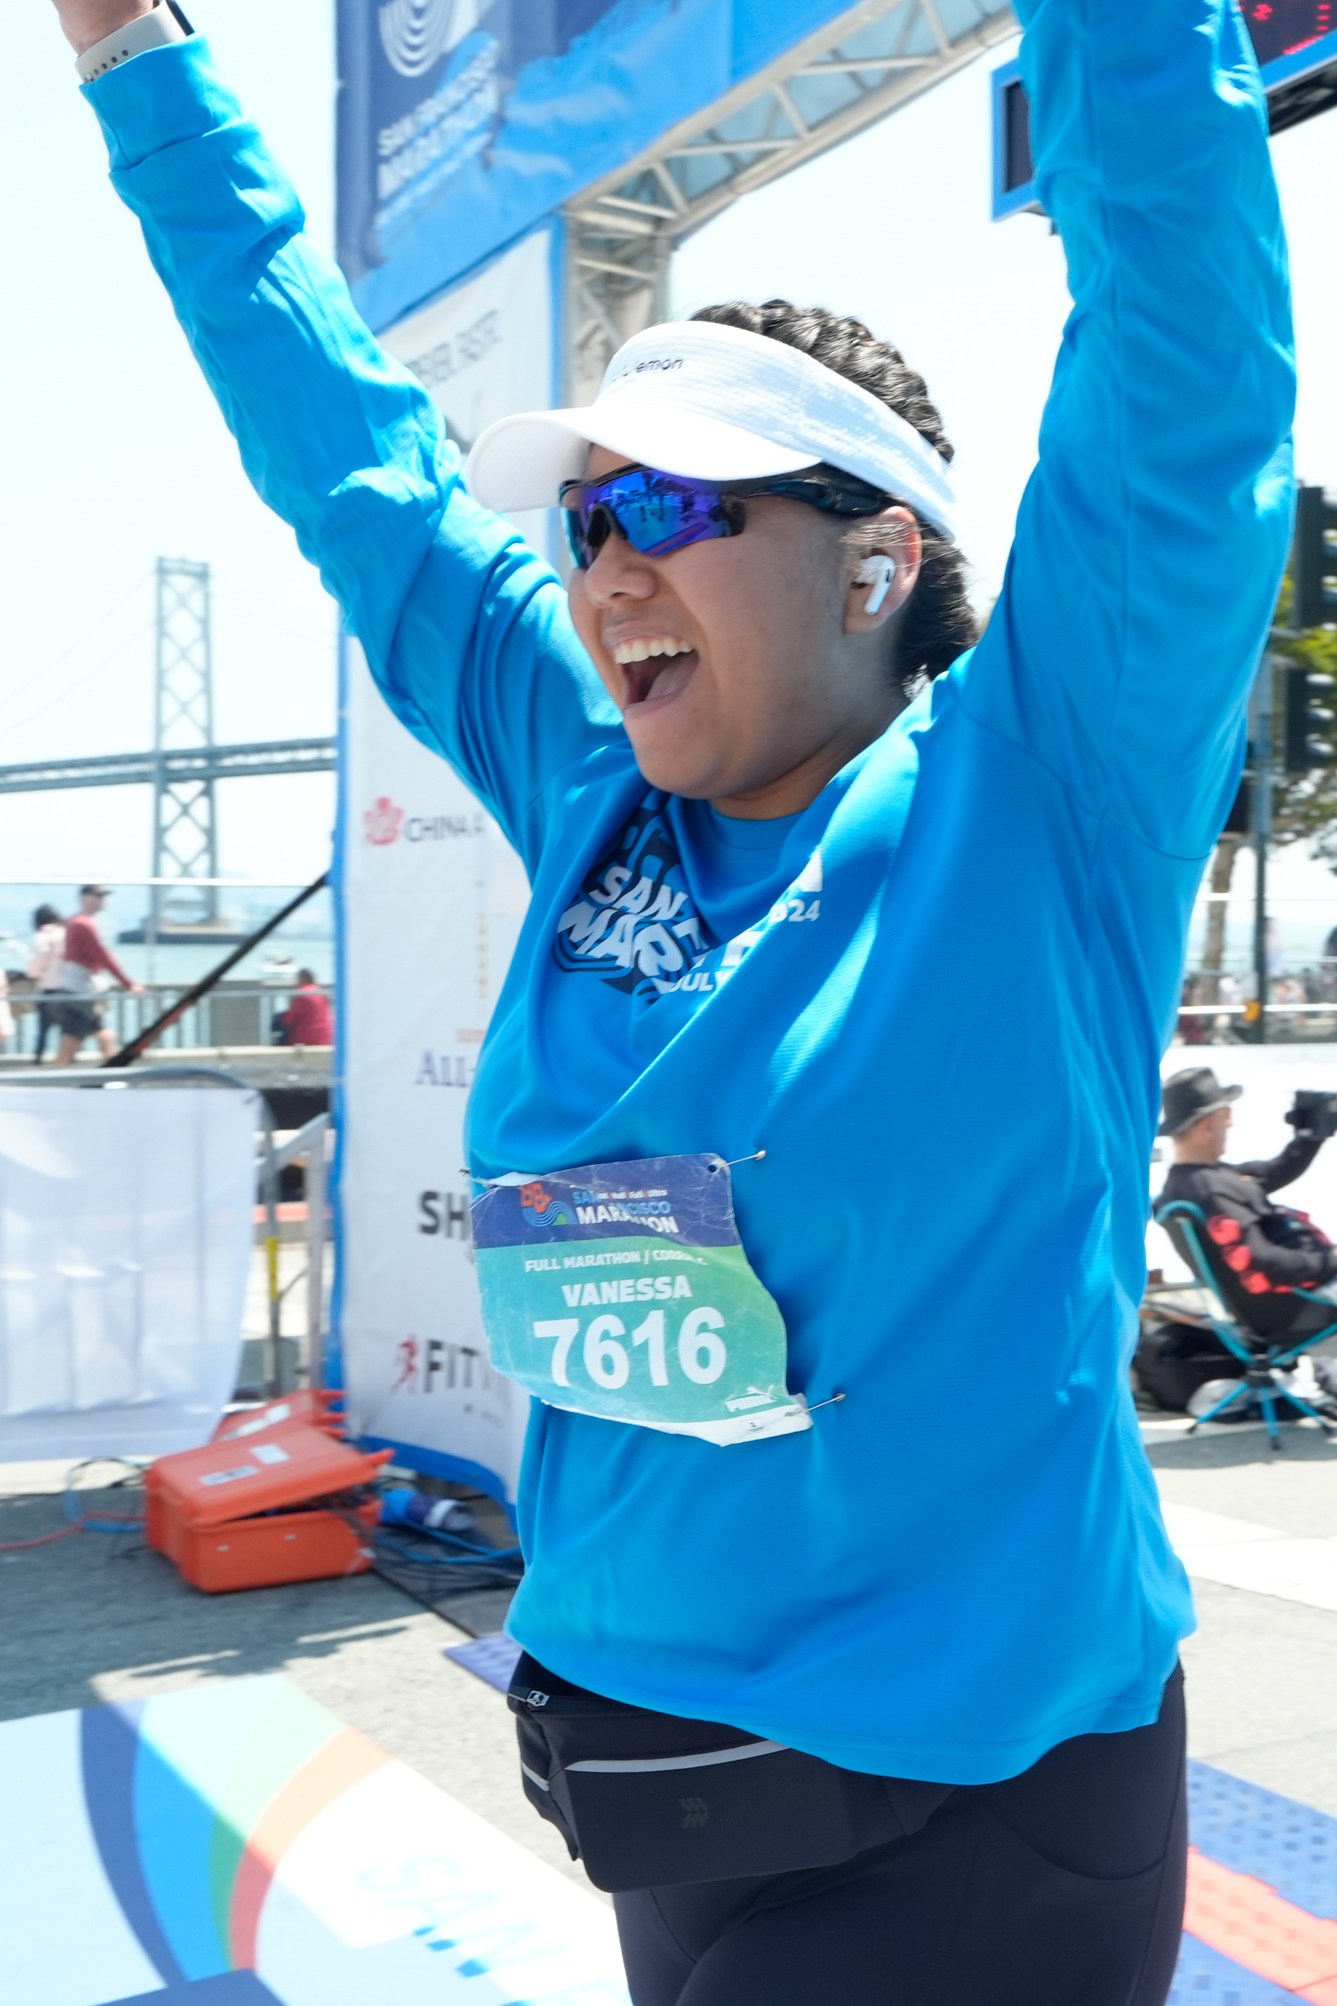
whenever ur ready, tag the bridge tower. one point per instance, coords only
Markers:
(185, 825)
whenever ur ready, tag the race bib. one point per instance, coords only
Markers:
(622, 1290)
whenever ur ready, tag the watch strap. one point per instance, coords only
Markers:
(146, 31)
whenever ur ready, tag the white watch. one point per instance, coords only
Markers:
(148, 31)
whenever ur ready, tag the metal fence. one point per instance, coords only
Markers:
(169, 960)
(235, 1014)
(1220, 1004)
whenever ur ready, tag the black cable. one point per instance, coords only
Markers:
(80, 682)
(435, 1570)
(294, 626)
(74, 646)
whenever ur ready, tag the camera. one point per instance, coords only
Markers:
(1314, 1113)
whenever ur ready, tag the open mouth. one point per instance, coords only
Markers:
(655, 669)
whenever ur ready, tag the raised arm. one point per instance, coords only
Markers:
(465, 629)
(1278, 1171)
(1153, 534)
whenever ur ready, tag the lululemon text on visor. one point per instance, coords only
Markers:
(693, 397)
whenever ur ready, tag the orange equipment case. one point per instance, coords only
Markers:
(315, 1405)
(225, 1513)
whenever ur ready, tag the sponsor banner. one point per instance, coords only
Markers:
(621, 1290)
(431, 901)
(127, 1243)
(431, 898)
(237, 1845)
(463, 123)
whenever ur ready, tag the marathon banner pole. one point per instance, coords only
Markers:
(139, 1045)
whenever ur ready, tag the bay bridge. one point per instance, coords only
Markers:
(184, 763)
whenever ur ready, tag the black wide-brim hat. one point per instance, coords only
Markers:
(1186, 1097)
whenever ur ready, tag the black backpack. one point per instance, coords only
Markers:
(1174, 1358)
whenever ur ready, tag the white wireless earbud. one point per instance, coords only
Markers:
(876, 573)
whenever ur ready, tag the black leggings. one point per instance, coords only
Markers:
(1062, 1887)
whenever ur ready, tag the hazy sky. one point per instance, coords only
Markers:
(116, 454)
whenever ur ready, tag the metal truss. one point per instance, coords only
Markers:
(179, 767)
(863, 65)
(185, 827)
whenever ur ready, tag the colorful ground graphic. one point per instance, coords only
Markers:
(235, 1845)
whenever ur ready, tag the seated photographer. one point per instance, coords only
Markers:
(1268, 1261)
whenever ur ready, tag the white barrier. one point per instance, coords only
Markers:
(126, 1225)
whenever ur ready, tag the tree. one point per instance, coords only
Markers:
(1214, 939)
(1304, 805)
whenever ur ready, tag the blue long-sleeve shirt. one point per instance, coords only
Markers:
(936, 998)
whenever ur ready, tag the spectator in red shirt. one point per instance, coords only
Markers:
(89, 965)
(308, 1019)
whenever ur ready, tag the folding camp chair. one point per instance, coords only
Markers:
(1262, 1358)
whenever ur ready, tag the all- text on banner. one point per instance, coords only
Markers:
(125, 1240)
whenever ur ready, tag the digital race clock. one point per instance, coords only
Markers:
(1296, 45)
(1287, 30)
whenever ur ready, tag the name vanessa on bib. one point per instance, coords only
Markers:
(622, 1291)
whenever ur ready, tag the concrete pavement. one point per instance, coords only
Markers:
(1257, 1530)
(96, 1617)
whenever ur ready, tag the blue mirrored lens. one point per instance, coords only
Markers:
(655, 512)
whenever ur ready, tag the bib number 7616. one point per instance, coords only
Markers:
(701, 1354)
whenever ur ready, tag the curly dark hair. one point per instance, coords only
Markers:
(938, 623)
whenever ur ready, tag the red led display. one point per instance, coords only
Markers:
(1282, 27)
(1296, 45)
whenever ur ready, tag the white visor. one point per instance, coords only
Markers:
(719, 404)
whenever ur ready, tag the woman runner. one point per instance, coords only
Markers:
(878, 1703)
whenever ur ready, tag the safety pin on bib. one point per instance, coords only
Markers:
(529, 1177)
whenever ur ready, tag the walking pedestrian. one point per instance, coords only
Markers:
(88, 969)
(46, 963)
(859, 1707)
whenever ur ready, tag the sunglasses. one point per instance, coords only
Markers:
(657, 513)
